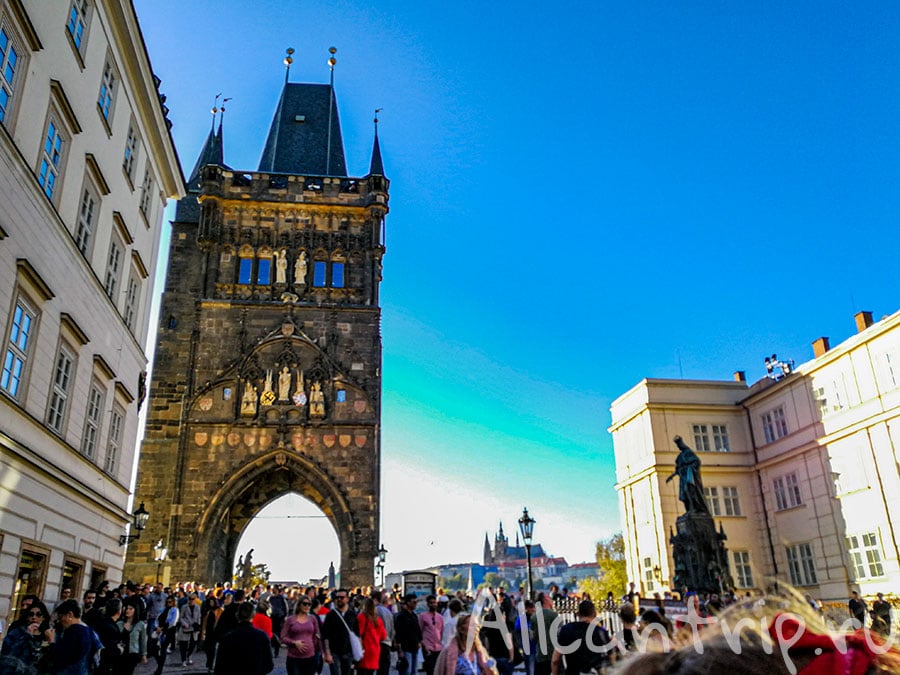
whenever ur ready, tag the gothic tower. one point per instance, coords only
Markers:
(267, 376)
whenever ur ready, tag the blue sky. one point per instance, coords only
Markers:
(583, 194)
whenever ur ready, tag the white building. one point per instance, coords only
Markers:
(801, 471)
(86, 166)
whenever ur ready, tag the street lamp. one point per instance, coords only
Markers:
(382, 554)
(526, 526)
(139, 522)
(159, 555)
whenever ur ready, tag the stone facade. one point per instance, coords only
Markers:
(267, 375)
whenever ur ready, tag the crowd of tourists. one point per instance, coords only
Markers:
(369, 631)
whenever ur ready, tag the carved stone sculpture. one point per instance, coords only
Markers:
(248, 400)
(316, 401)
(300, 269)
(690, 487)
(284, 384)
(268, 396)
(281, 267)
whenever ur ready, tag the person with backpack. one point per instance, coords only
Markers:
(167, 625)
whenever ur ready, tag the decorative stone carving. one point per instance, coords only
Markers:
(248, 401)
(268, 396)
(316, 401)
(284, 384)
(281, 267)
(299, 397)
(300, 268)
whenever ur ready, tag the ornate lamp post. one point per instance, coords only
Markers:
(382, 554)
(139, 522)
(526, 526)
(159, 555)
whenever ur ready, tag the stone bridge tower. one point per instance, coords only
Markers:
(267, 375)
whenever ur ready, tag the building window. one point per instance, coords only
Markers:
(77, 21)
(648, 574)
(712, 500)
(337, 275)
(743, 576)
(115, 440)
(865, 555)
(787, 491)
(701, 437)
(59, 394)
(801, 565)
(774, 424)
(92, 421)
(245, 270)
(720, 438)
(730, 501)
(9, 65)
(107, 91)
(113, 263)
(30, 576)
(132, 295)
(264, 271)
(51, 156)
(18, 347)
(130, 158)
(146, 192)
(71, 576)
(889, 363)
(319, 270)
(87, 216)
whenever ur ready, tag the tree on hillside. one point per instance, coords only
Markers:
(611, 564)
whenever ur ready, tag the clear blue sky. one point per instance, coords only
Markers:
(583, 194)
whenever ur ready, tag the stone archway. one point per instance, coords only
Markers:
(259, 482)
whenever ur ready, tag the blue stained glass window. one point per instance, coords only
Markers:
(319, 273)
(245, 271)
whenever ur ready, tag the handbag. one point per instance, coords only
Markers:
(356, 646)
(402, 663)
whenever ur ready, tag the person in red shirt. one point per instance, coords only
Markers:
(261, 619)
(371, 632)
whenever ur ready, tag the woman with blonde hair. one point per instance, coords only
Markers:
(465, 655)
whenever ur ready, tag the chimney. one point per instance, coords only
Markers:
(740, 376)
(863, 321)
(820, 346)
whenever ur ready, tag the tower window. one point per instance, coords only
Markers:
(264, 271)
(245, 271)
(337, 275)
(319, 273)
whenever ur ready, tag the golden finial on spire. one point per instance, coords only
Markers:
(288, 60)
(215, 109)
(332, 61)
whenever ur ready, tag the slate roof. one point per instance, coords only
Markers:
(376, 168)
(213, 152)
(298, 138)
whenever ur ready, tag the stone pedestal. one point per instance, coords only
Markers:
(701, 559)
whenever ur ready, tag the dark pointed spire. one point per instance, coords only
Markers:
(376, 168)
(212, 152)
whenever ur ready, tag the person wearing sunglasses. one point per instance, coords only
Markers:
(300, 634)
(27, 634)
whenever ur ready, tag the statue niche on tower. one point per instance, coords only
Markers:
(698, 550)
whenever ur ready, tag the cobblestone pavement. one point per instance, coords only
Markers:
(173, 665)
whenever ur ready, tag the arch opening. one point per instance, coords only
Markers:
(293, 537)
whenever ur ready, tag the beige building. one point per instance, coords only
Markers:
(800, 469)
(86, 166)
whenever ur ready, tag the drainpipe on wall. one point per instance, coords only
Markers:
(762, 495)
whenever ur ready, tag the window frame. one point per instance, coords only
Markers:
(106, 97)
(20, 68)
(720, 440)
(93, 422)
(132, 300)
(700, 432)
(46, 157)
(787, 491)
(114, 439)
(58, 402)
(130, 154)
(774, 422)
(82, 9)
(731, 501)
(112, 276)
(801, 564)
(863, 564)
(147, 189)
(22, 354)
(711, 494)
(90, 226)
(743, 569)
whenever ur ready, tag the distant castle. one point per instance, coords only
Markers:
(503, 552)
